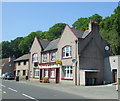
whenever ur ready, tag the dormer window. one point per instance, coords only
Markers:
(44, 57)
(35, 57)
(66, 52)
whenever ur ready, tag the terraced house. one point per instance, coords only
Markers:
(76, 58)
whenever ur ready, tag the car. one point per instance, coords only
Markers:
(8, 76)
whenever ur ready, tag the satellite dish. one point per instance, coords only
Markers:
(74, 60)
(106, 47)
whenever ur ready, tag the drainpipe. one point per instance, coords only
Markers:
(76, 41)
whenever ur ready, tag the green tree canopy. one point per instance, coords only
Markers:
(82, 23)
(55, 31)
(26, 43)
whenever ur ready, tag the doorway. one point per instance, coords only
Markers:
(114, 74)
(57, 75)
(40, 74)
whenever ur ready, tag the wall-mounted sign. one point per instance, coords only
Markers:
(58, 62)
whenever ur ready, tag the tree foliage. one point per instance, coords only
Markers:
(26, 43)
(82, 23)
(110, 30)
(55, 31)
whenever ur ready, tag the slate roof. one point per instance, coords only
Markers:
(5, 62)
(52, 45)
(78, 33)
(85, 33)
(44, 43)
(24, 57)
(47, 46)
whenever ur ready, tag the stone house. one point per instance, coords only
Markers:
(22, 66)
(76, 58)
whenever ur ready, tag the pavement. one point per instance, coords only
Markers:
(88, 92)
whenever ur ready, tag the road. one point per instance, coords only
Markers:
(16, 90)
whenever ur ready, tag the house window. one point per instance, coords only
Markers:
(18, 72)
(44, 57)
(66, 52)
(68, 72)
(35, 57)
(46, 73)
(18, 63)
(24, 62)
(53, 56)
(24, 72)
(36, 72)
(52, 73)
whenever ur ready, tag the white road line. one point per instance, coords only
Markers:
(29, 97)
(3, 85)
(13, 89)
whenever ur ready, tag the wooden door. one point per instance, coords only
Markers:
(57, 75)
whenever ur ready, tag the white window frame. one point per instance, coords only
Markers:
(35, 57)
(46, 72)
(67, 72)
(53, 56)
(67, 50)
(52, 72)
(44, 57)
(36, 72)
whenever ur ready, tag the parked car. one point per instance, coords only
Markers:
(8, 76)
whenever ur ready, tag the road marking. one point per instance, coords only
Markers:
(3, 85)
(29, 97)
(13, 89)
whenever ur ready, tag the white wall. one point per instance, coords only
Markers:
(110, 63)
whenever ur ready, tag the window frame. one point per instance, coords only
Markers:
(44, 60)
(52, 72)
(24, 72)
(67, 50)
(67, 72)
(35, 58)
(53, 54)
(46, 74)
(38, 72)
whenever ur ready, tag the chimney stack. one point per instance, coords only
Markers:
(93, 26)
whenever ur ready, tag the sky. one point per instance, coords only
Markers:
(21, 18)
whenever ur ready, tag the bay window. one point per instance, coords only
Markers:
(66, 52)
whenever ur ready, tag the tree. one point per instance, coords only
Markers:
(14, 45)
(26, 43)
(110, 30)
(96, 18)
(6, 49)
(82, 23)
(55, 31)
